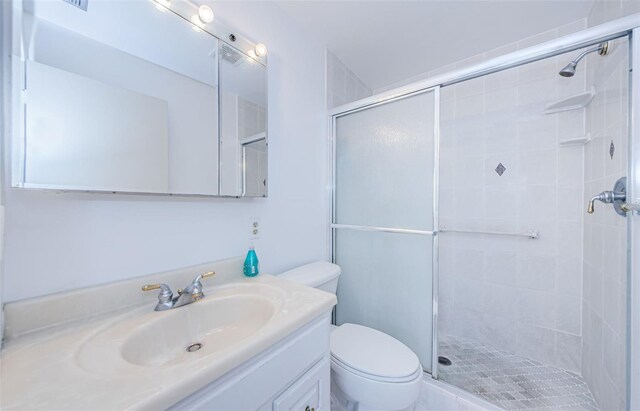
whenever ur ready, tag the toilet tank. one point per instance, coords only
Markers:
(321, 275)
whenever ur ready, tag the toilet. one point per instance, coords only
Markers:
(370, 370)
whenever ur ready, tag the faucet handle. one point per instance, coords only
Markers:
(165, 291)
(204, 275)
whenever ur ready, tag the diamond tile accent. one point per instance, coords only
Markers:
(501, 169)
(510, 381)
(612, 149)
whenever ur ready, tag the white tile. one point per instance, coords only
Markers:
(569, 275)
(572, 27)
(501, 102)
(537, 203)
(469, 203)
(537, 167)
(537, 39)
(352, 89)
(468, 294)
(536, 272)
(570, 167)
(499, 332)
(500, 267)
(537, 132)
(469, 106)
(470, 87)
(499, 301)
(571, 124)
(596, 285)
(501, 79)
(598, 155)
(541, 69)
(613, 307)
(501, 202)
(536, 308)
(570, 205)
(339, 81)
(468, 323)
(536, 342)
(534, 96)
(570, 239)
(469, 171)
(568, 351)
(568, 314)
(468, 264)
(501, 136)
(610, 351)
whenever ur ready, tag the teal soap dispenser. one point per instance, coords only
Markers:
(251, 264)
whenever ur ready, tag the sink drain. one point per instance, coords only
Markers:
(194, 347)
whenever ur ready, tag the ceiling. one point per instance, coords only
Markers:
(385, 42)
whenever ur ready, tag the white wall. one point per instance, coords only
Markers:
(519, 295)
(56, 242)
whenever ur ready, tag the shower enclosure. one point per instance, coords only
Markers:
(459, 220)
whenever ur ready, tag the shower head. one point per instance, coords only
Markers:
(570, 69)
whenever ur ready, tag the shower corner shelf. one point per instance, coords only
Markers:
(574, 102)
(576, 141)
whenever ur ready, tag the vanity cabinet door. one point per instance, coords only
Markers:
(309, 393)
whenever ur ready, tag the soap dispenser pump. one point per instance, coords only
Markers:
(251, 264)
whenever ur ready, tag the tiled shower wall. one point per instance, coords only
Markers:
(604, 294)
(343, 85)
(515, 294)
(604, 291)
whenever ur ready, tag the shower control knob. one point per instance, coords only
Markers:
(617, 197)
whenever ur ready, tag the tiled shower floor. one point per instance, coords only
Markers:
(510, 381)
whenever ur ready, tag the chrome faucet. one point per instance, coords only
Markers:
(606, 197)
(617, 197)
(189, 295)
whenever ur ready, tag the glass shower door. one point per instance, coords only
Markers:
(383, 215)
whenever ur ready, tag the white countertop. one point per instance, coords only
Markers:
(43, 369)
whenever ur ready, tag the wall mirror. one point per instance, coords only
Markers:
(127, 96)
(243, 124)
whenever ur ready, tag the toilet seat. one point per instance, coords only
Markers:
(373, 355)
(337, 363)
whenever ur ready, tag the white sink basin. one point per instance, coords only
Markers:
(184, 334)
(136, 358)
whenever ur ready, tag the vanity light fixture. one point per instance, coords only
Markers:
(205, 13)
(252, 56)
(198, 24)
(261, 50)
(163, 5)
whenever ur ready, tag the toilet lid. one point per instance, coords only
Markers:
(372, 352)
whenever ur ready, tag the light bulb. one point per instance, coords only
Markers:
(252, 56)
(261, 50)
(197, 23)
(205, 13)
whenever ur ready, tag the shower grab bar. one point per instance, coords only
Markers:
(383, 229)
(531, 234)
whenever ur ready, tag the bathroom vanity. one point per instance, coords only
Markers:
(260, 343)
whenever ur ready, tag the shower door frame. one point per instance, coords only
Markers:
(629, 27)
(433, 233)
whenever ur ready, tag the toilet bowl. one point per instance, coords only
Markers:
(370, 370)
